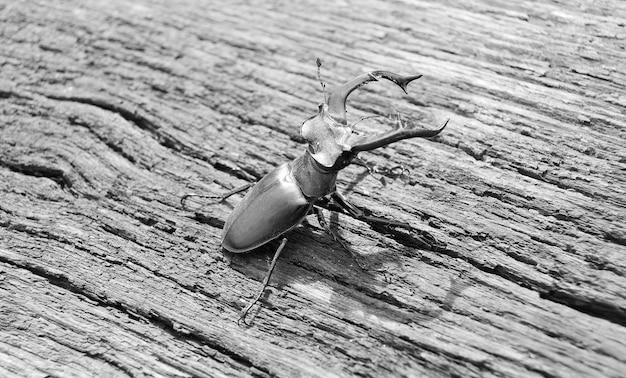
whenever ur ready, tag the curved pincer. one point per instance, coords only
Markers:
(337, 97)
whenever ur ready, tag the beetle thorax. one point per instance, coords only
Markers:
(328, 139)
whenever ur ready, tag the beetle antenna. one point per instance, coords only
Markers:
(244, 313)
(318, 61)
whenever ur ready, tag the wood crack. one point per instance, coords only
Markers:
(60, 280)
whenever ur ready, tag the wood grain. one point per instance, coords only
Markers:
(110, 112)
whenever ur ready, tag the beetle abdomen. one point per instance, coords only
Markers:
(272, 207)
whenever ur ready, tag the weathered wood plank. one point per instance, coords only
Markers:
(110, 112)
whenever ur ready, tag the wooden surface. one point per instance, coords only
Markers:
(111, 111)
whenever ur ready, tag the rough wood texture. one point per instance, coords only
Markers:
(112, 110)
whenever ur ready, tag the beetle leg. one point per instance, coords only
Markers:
(397, 171)
(357, 213)
(220, 198)
(244, 313)
(372, 170)
(393, 172)
(424, 238)
(335, 235)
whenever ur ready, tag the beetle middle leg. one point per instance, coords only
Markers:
(335, 236)
(424, 239)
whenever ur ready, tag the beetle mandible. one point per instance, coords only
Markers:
(284, 197)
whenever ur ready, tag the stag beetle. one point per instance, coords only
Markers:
(284, 197)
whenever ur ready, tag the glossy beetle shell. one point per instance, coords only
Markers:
(272, 207)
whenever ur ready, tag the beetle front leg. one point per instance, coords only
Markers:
(220, 198)
(393, 172)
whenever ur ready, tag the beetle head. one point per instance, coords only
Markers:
(328, 139)
(333, 143)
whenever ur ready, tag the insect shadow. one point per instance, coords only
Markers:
(368, 290)
(328, 260)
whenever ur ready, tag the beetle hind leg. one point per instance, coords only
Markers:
(244, 312)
